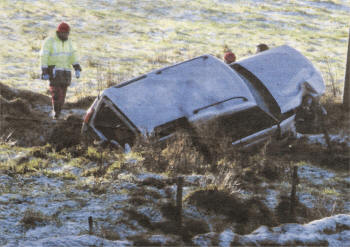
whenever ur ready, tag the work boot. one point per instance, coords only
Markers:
(56, 115)
(56, 110)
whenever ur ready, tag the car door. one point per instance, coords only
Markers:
(249, 127)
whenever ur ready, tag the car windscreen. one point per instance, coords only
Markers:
(262, 96)
(112, 126)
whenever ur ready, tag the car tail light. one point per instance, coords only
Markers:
(89, 114)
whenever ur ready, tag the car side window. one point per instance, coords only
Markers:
(245, 123)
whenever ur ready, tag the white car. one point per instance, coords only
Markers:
(250, 100)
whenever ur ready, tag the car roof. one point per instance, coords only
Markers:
(284, 72)
(178, 91)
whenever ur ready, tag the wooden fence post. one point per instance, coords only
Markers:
(90, 225)
(179, 183)
(346, 94)
(293, 193)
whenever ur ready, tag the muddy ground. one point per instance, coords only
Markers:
(25, 118)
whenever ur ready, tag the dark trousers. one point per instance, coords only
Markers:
(58, 95)
(58, 88)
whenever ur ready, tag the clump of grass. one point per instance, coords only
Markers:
(92, 63)
(302, 213)
(6, 138)
(30, 165)
(107, 233)
(177, 156)
(160, 58)
(142, 219)
(98, 187)
(94, 171)
(115, 168)
(182, 156)
(249, 214)
(63, 175)
(32, 219)
(94, 154)
(79, 162)
(34, 75)
(150, 149)
(41, 152)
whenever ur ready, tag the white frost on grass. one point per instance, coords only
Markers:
(307, 199)
(315, 174)
(8, 198)
(200, 180)
(66, 168)
(69, 241)
(205, 239)
(144, 176)
(130, 229)
(320, 139)
(11, 155)
(162, 239)
(271, 198)
(151, 213)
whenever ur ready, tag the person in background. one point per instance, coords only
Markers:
(57, 56)
(229, 57)
(261, 48)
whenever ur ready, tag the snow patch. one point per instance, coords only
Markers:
(318, 232)
(226, 237)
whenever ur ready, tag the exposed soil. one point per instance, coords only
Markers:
(24, 121)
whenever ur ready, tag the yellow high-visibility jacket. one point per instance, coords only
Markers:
(56, 52)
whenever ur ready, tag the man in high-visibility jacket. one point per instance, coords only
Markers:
(57, 57)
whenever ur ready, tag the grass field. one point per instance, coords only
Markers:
(121, 39)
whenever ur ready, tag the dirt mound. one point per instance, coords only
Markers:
(66, 133)
(247, 213)
(18, 117)
(14, 107)
(81, 103)
(29, 126)
(31, 97)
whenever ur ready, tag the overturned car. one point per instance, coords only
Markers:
(249, 101)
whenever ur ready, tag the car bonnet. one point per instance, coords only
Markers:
(287, 74)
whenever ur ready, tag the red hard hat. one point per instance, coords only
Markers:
(63, 27)
(229, 57)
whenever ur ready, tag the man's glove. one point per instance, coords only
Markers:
(77, 69)
(45, 73)
(77, 74)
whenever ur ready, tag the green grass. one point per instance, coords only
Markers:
(131, 37)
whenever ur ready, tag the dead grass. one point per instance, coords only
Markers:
(302, 213)
(32, 219)
(248, 214)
